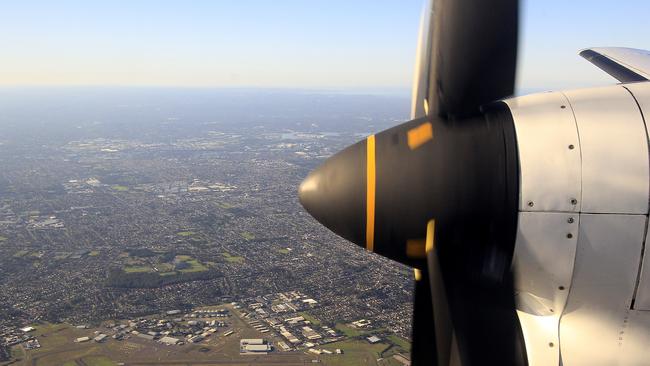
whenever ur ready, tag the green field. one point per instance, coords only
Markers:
(98, 361)
(355, 352)
(232, 259)
(20, 253)
(93, 253)
(56, 334)
(2, 238)
(186, 233)
(400, 342)
(137, 269)
(120, 188)
(61, 255)
(58, 348)
(165, 269)
(196, 266)
(17, 352)
(310, 318)
(283, 251)
(247, 236)
(350, 331)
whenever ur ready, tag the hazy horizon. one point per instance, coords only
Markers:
(291, 44)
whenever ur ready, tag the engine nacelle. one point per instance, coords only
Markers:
(582, 287)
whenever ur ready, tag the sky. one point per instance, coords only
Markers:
(314, 44)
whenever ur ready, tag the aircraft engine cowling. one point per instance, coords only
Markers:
(583, 162)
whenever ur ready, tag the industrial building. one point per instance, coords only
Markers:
(170, 341)
(254, 346)
(100, 338)
(373, 339)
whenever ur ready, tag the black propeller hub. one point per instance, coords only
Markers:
(380, 192)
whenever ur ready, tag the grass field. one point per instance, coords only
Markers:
(283, 251)
(400, 342)
(310, 318)
(247, 236)
(2, 238)
(21, 253)
(137, 269)
(61, 255)
(17, 352)
(349, 331)
(120, 188)
(93, 253)
(164, 267)
(98, 361)
(186, 233)
(195, 266)
(355, 352)
(232, 259)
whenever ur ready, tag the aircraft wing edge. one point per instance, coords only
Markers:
(624, 64)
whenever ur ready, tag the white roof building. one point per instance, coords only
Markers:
(100, 338)
(170, 341)
(254, 346)
(373, 339)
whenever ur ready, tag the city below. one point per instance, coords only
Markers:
(163, 227)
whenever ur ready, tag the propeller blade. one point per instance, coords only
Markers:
(444, 332)
(474, 54)
(423, 347)
(456, 163)
(420, 92)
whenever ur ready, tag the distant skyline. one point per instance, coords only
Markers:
(316, 44)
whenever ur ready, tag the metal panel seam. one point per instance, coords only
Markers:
(640, 269)
(569, 285)
(575, 122)
(575, 257)
(645, 233)
(647, 137)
